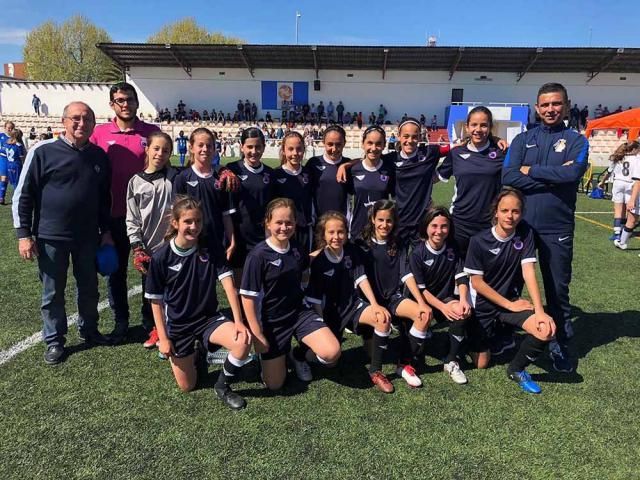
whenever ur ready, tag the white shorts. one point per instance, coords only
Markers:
(621, 191)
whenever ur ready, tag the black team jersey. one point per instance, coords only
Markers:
(328, 194)
(368, 185)
(414, 182)
(478, 177)
(186, 282)
(438, 271)
(214, 201)
(333, 283)
(297, 187)
(277, 275)
(500, 262)
(386, 273)
(250, 201)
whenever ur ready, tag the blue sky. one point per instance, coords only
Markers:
(370, 22)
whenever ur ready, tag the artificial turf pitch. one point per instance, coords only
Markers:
(115, 412)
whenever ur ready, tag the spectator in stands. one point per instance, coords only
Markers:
(254, 112)
(205, 115)
(320, 112)
(605, 111)
(35, 101)
(574, 117)
(404, 117)
(340, 112)
(68, 215)
(32, 133)
(584, 115)
(239, 110)
(330, 111)
(49, 134)
(267, 117)
(423, 119)
(360, 120)
(618, 110)
(124, 140)
(391, 143)
(434, 123)
(181, 105)
(346, 119)
(372, 118)
(284, 107)
(247, 110)
(279, 133)
(598, 112)
(546, 164)
(382, 113)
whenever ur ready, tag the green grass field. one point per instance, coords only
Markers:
(115, 412)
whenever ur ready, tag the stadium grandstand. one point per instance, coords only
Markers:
(431, 81)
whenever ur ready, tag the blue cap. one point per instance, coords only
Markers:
(106, 260)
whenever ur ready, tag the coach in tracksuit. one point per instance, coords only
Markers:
(63, 200)
(546, 164)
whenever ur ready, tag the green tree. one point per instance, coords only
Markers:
(187, 30)
(68, 53)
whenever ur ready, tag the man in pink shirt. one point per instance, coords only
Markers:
(124, 139)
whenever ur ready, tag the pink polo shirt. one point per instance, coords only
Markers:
(126, 153)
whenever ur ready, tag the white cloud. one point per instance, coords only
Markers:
(12, 36)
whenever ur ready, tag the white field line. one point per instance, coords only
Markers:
(592, 213)
(21, 346)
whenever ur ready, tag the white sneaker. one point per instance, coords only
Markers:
(302, 368)
(408, 373)
(457, 375)
(621, 246)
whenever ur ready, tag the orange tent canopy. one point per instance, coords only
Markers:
(627, 120)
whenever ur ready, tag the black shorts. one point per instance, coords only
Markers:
(393, 302)
(301, 323)
(462, 234)
(349, 319)
(304, 236)
(480, 333)
(183, 339)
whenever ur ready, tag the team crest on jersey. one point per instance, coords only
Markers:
(359, 177)
(276, 263)
(421, 157)
(243, 177)
(266, 178)
(451, 255)
(320, 167)
(282, 180)
(193, 183)
(495, 251)
(96, 168)
(384, 178)
(429, 262)
(296, 253)
(176, 268)
(464, 156)
(143, 142)
(398, 164)
(493, 154)
(347, 262)
(329, 273)
(560, 145)
(305, 178)
(204, 258)
(517, 243)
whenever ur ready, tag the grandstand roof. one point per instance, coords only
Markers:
(519, 60)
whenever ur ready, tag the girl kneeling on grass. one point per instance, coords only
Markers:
(438, 269)
(149, 198)
(387, 267)
(497, 261)
(182, 289)
(337, 272)
(273, 272)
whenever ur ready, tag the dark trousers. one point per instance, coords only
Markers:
(53, 263)
(118, 295)
(555, 254)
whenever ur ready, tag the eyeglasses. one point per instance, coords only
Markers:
(122, 100)
(77, 119)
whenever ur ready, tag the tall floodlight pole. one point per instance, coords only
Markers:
(298, 15)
